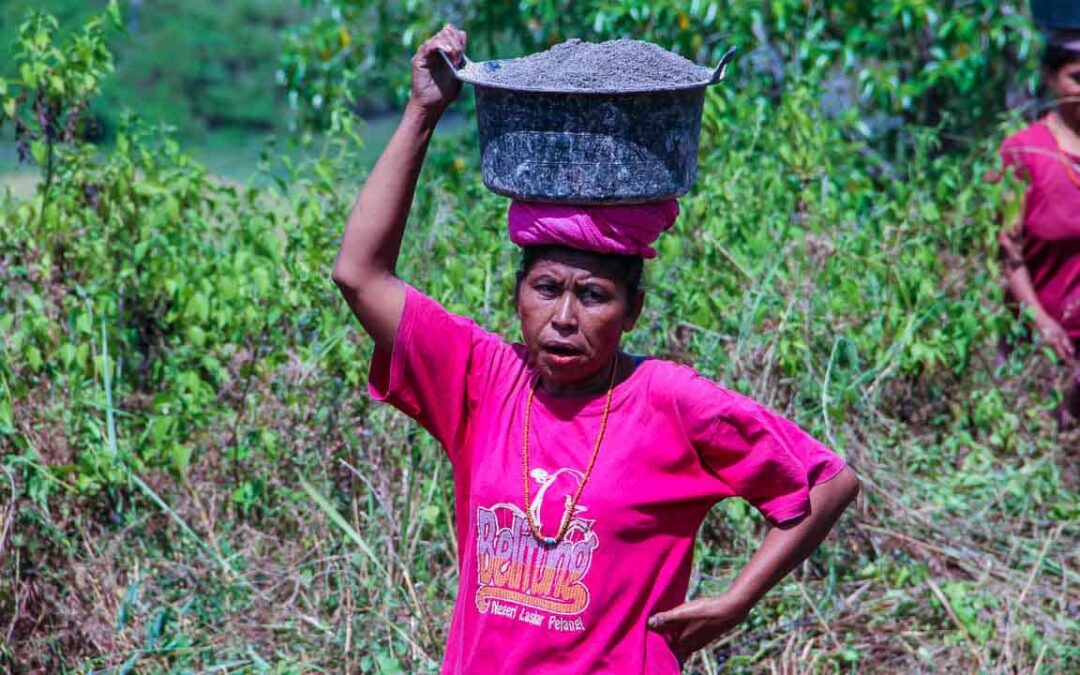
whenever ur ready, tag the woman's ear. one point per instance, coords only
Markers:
(1046, 76)
(637, 303)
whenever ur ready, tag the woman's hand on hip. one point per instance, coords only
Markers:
(1055, 337)
(697, 623)
(434, 85)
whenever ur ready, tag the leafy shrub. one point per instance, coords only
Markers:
(898, 63)
(197, 64)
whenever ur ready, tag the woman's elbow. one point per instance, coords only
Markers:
(849, 485)
(352, 278)
(345, 279)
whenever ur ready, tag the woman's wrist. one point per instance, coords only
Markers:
(421, 117)
(1041, 317)
(741, 599)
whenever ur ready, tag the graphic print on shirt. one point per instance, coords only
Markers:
(520, 579)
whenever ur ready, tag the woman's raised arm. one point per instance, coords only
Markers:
(364, 271)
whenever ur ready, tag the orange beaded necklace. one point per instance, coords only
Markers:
(564, 524)
(1066, 160)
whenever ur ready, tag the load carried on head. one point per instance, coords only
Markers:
(588, 123)
(612, 123)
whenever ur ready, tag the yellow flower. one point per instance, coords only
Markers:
(459, 164)
(684, 21)
(344, 37)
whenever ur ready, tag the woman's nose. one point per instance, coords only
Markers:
(565, 316)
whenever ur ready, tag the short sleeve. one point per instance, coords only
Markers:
(1016, 152)
(755, 453)
(439, 362)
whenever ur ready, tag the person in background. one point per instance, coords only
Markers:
(1041, 249)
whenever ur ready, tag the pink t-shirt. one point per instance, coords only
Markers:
(1051, 236)
(675, 444)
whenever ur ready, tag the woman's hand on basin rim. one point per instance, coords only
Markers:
(434, 85)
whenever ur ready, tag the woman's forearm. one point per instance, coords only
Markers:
(373, 233)
(784, 548)
(1017, 276)
(1018, 282)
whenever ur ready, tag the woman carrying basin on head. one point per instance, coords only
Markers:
(582, 473)
(1041, 250)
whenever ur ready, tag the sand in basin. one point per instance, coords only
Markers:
(616, 65)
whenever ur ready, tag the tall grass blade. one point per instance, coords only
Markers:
(343, 525)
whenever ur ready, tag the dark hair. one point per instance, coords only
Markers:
(1059, 52)
(630, 267)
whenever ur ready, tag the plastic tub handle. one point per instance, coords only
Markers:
(721, 68)
(454, 68)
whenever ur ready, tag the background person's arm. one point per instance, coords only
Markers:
(695, 624)
(364, 271)
(1018, 282)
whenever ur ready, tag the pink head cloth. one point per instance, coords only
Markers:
(625, 229)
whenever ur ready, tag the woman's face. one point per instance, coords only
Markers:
(574, 309)
(1065, 85)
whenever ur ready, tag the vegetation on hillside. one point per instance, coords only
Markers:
(889, 64)
(195, 64)
(199, 480)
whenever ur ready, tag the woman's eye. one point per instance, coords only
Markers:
(592, 296)
(547, 290)
(1075, 77)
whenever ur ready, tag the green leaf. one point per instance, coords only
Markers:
(430, 513)
(198, 307)
(180, 456)
(114, 13)
(39, 152)
(7, 425)
(33, 358)
(196, 336)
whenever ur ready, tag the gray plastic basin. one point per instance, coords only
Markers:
(590, 147)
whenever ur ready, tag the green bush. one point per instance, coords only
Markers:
(197, 64)
(892, 64)
(199, 480)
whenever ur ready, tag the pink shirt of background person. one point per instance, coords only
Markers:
(677, 444)
(1050, 233)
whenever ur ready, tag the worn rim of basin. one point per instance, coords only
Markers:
(473, 71)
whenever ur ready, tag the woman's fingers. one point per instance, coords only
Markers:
(450, 40)
(690, 611)
(1055, 337)
(1062, 345)
(1067, 346)
(454, 40)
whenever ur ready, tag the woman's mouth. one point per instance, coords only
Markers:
(561, 354)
